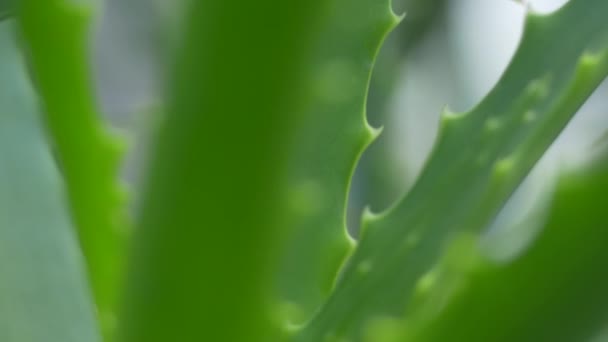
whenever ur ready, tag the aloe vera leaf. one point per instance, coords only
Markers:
(212, 210)
(329, 141)
(555, 291)
(44, 294)
(479, 159)
(56, 34)
(382, 176)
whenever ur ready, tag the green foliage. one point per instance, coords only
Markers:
(43, 291)
(328, 142)
(555, 291)
(241, 235)
(56, 32)
(212, 209)
(489, 150)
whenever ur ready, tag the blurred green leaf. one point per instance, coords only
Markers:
(556, 291)
(56, 34)
(44, 295)
(212, 210)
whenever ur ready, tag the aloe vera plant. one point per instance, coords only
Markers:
(241, 233)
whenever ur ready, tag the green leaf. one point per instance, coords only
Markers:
(44, 295)
(56, 34)
(479, 159)
(329, 142)
(555, 291)
(213, 206)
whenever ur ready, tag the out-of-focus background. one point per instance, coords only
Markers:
(446, 52)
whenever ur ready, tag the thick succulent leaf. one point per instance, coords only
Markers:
(381, 178)
(210, 214)
(56, 35)
(329, 142)
(44, 295)
(556, 291)
(479, 159)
